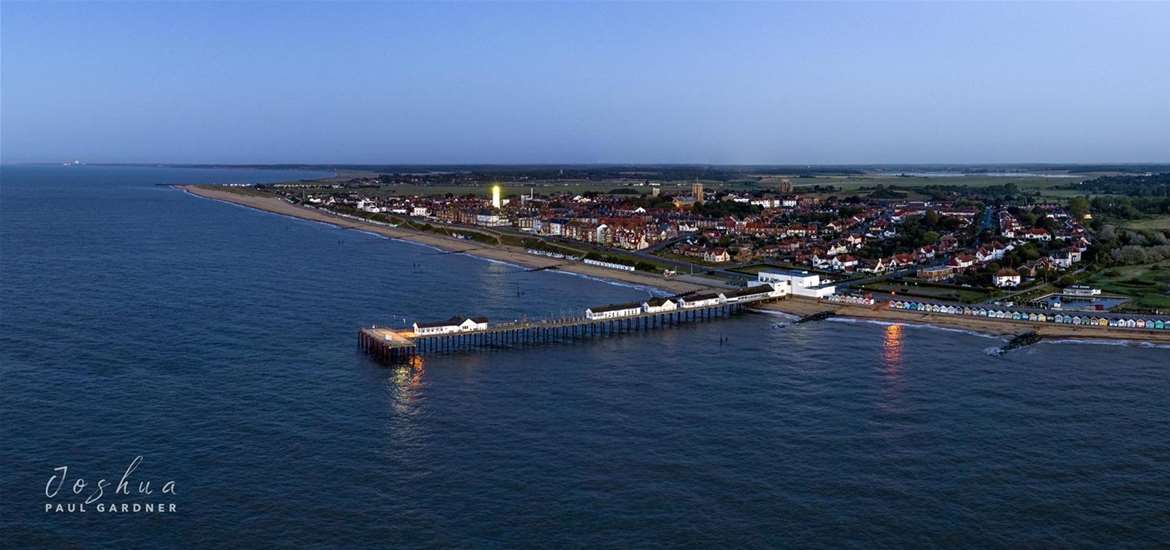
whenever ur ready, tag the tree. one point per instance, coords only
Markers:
(1078, 207)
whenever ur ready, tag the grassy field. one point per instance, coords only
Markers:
(938, 292)
(1161, 223)
(1148, 285)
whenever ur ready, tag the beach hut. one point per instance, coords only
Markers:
(1130, 323)
(1076, 320)
(1159, 324)
(1141, 323)
(1103, 322)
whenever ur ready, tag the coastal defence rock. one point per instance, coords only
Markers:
(1021, 340)
(818, 316)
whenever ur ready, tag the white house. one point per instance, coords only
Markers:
(613, 311)
(1037, 234)
(716, 256)
(452, 325)
(367, 205)
(1006, 278)
(843, 262)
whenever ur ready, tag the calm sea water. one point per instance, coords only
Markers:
(218, 343)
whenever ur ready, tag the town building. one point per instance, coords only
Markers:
(1006, 277)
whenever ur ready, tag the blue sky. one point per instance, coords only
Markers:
(583, 82)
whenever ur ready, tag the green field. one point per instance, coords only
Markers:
(1148, 285)
(1160, 223)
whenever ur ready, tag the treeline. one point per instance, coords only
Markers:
(481, 174)
(1156, 185)
(1114, 246)
(1124, 168)
(1128, 208)
(916, 231)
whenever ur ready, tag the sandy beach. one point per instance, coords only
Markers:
(503, 253)
(803, 306)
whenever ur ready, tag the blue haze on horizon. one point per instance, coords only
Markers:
(584, 83)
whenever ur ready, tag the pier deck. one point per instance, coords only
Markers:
(400, 345)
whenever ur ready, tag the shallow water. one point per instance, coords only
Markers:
(219, 343)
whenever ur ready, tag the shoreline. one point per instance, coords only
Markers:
(804, 306)
(499, 253)
(791, 305)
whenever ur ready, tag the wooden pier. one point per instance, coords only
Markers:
(394, 346)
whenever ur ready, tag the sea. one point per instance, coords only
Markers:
(212, 349)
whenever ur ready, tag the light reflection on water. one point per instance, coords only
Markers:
(892, 349)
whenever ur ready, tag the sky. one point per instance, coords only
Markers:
(726, 83)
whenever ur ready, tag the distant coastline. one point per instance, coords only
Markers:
(793, 305)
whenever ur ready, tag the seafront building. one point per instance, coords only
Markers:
(452, 325)
(800, 283)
